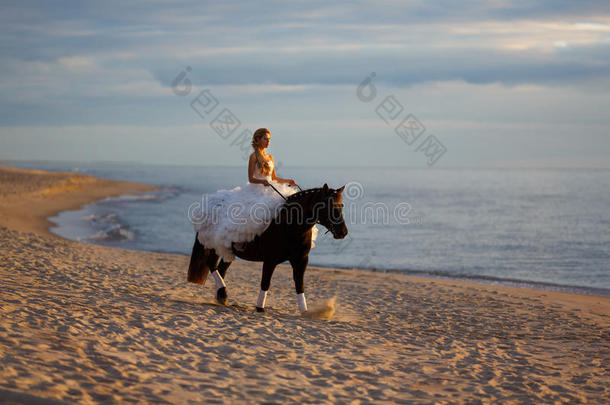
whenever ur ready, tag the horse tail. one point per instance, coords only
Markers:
(198, 267)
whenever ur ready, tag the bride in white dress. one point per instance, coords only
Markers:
(239, 214)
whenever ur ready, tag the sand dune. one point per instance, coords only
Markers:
(90, 324)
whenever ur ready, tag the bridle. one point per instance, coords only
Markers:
(331, 226)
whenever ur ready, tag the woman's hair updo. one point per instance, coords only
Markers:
(262, 162)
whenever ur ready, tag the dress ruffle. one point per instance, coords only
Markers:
(238, 215)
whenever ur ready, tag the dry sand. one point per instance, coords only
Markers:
(90, 324)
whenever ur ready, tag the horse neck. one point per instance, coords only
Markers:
(307, 200)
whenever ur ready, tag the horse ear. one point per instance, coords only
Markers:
(339, 191)
(325, 187)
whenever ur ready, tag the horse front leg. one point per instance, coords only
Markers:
(268, 268)
(299, 266)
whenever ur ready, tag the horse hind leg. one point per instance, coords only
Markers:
(223, 267)
(217, 272)
(202, 262)
(221, 287)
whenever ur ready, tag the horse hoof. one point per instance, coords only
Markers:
(259, 309)
(221, 296)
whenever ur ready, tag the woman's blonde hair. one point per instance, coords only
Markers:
(263, 163)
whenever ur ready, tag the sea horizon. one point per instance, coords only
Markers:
(9, 162)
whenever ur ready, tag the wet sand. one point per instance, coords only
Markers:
(91, 324)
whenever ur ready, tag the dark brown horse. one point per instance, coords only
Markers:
(288, 237)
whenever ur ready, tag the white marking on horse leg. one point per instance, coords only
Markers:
(219, 281)
(262, 297)
(302, 302)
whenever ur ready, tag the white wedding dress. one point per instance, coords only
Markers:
(239, 214)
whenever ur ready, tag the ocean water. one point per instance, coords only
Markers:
(543, 228)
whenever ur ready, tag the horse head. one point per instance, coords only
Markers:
(330, 211)
(322, 205)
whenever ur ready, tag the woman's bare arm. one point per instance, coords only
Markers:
(278, 179)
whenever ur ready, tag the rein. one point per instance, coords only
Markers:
(276, 190)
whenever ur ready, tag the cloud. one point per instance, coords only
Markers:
(241, 44)
(468, 69)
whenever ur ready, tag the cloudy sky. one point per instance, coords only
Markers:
(496, 83)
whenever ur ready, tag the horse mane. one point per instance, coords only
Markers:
(310, 192)
(307, 198)
(302, 194)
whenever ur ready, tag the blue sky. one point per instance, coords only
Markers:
(498, 83)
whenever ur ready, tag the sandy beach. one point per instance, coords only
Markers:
(90, 324)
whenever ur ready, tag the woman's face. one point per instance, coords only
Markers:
(264, 140)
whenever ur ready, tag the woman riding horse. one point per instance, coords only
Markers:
(285, 232)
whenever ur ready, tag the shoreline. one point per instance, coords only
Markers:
(54, 192)
(88, 323)
(435, 275)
